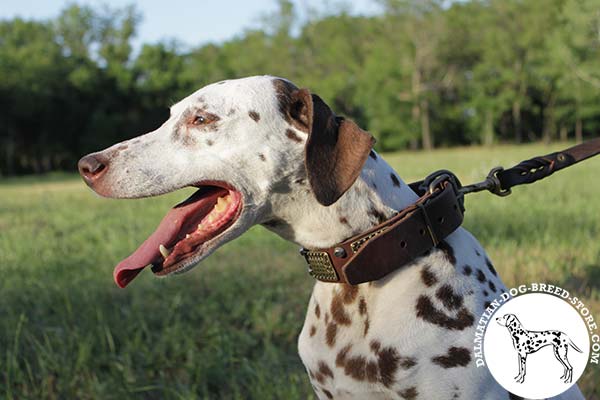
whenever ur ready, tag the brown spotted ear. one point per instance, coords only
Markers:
(336, 149)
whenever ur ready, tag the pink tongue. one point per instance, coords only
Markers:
(167, 232)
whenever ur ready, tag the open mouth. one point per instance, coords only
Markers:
(184, 234)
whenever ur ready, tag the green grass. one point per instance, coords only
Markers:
(228, 328)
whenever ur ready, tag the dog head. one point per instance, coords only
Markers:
(508, 320)
(238, 142)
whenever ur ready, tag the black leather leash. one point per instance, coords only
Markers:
(500, 181)
(438, 212)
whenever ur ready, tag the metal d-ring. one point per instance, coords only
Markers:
(491, 184)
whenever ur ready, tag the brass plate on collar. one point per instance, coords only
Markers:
(320, 266)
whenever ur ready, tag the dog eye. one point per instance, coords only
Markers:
(200, 119)
(203, 118)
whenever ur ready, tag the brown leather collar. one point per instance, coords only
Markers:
(373, 254)
(416, 229)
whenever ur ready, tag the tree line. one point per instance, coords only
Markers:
(418, 74)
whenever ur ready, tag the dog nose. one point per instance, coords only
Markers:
(91, 167)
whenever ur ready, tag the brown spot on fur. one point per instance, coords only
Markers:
(344, 221)
(366, 328)
(188, 140)
(313, 330)
(262, 157)
(209, 142)
(327, 393)
(480, 276)
(428, 312)
(448, 251)
(325, 370)
(349, 293)
(362, 306)
(317, 310)
(330, 334)
(467, 270)
(356, 367)
(293, 136)
(378, 215)
(372, 371)
(428, 277)
(373, 155)
(342, 355)
(388, 365)
(375, 345)
(448, 297)
(180, 124)
(456, 357)
(319, 377)
(383, 369)
(395, 180)
(338, 312)
(326, 318)
(254, 115)
(407, 362)
(491, 267)
(231, 112)
(409, 393)
(492, 286)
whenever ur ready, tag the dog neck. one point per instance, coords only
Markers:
(514, 328)
(374, 197)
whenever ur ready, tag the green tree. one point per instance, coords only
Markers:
(31, 93)
(575, 52)
(422, 25)
(418, 74)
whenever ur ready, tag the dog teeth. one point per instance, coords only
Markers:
(221, 205)
(164, 251)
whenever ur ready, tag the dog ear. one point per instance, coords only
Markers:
(336, 148)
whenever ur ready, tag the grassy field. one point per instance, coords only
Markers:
(228, 328)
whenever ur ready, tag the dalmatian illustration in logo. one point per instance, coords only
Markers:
(527, 342)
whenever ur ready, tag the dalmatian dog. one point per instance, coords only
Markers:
(259, 150)
(527, 342)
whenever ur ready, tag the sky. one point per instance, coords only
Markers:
(189, 22)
